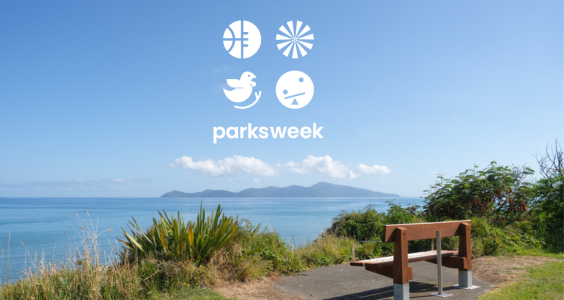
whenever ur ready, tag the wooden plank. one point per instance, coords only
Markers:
(401, 274)
(385, 271)
(455, 262)
(465, 245)
(421, 231)
(418, 258)
(411, 257)
(388, 271)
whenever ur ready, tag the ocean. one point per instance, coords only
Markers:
(49, 227)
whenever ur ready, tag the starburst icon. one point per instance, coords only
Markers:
(293, 40)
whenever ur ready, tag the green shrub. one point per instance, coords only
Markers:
(548, 214)
(499, 193)
(171, 238)
(493, 239)
(402, 215)
(280, 257)
(325, 251)
(368, 225)
(362, 225)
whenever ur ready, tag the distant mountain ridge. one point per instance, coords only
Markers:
(321, 189)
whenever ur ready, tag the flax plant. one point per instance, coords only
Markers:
(171, 238)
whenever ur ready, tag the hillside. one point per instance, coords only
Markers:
(321, 189)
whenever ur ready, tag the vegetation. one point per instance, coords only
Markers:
(174, 259)
(549, 202)
(498, 193)
(173, 239)
(192, 293)
(366, 226)
(544, 282)
(510, 212)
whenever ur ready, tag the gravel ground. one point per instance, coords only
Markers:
(346, 282)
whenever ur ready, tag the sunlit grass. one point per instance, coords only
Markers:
(542, 282)
(192, 293)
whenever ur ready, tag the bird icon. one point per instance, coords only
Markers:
(242, 89)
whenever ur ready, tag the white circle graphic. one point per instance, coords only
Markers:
(294, 89)
(241, 39)
(294, 39)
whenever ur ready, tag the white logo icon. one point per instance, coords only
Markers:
(242, 89)
(294, 39)
(241, 39)
(294, 89)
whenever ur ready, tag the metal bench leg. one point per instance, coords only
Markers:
(465, 280)
(401, 291)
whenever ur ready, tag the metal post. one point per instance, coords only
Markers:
(439, 268)
(439, 262)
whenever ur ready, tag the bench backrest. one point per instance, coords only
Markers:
(422, 231)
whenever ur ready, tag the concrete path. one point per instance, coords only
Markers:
(345, 282)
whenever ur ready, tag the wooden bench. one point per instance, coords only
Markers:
(397, 266)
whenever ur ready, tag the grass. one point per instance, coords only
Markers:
(160, 274)
(90, 274)
(539, 252)
(543, 282)
(192, 293)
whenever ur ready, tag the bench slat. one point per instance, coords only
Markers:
(412, 257)
(422, 231)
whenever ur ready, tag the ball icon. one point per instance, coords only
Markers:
(241, 39)
(294, 89)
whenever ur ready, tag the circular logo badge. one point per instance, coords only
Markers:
(294, 89)
(241, 39)
(295, 40)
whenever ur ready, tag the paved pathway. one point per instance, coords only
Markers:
(345, 282)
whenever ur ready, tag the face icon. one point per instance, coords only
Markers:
(294, 89)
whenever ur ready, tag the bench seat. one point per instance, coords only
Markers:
(412, 257)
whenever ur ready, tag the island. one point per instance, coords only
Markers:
(321, 189)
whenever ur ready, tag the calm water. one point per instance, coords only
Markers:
(50, 226)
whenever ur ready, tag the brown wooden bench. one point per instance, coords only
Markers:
(397, 266)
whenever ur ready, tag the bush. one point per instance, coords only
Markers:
(171, 239)
(499, 193)
(488, 237)
(362, 225)
(494, 239)
(282, 258)
(549, 199)
(367, 226)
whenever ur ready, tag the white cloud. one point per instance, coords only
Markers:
(433, 173)
(119, 180)
(323, 165)
(375, 169)
(227, 166)
(257, 180)
(326, 166)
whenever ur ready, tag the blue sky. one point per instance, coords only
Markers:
(101, 98)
